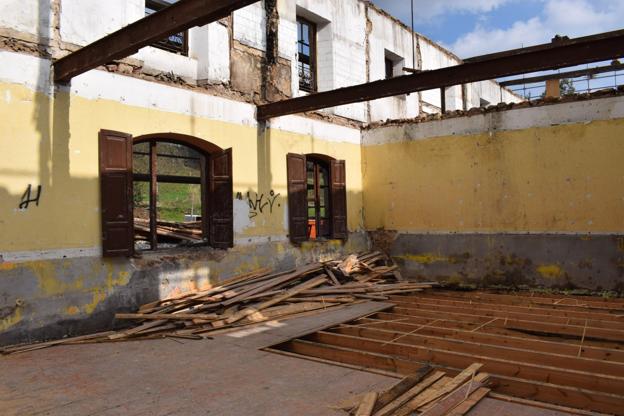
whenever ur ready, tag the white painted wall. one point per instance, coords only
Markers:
(31, 16)
(388, 37)
(250, 26)
(85, 21)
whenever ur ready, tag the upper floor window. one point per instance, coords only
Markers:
(306, 43)
(389, 68)
(178, 42)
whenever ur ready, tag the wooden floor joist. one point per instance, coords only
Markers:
(557, 350)
(488, 350)
(546, 392)
(542, 310)
(436, 329)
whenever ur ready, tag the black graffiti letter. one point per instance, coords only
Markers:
(27, 199)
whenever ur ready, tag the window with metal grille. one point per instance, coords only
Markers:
(176, 43)
(306, 43)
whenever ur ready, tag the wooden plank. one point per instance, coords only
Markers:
(528, 371)
(465, 406)
(536, 326)
(533, 315)
(395, 404)
(366, 407)
(433, 394)
(401, 387)
(488, 350)
(535, 390)
(167, 316)
(444, 328)
(538, 309)
(274, 283)
(317, 281)
(455, 397)
(405, 410)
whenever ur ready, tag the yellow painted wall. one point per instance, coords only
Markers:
(567, 178)
(54, 143)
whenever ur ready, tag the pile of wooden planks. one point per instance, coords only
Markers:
(256, 297)
(426, 393)
(174, 232)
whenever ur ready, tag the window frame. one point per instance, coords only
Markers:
(153, 178)
(298, 207)
(115, 154)
(156, 6)
(312, 58)
(322, 224)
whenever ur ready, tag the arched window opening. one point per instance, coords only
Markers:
(164, 190)
(169, 195)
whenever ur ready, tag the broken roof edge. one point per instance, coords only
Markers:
(420, 36)
(603, 93)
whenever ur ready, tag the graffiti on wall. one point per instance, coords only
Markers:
(260, 203)
(28, 198)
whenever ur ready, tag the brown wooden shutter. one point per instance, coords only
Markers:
(116, 194)
(297, 198)
(338, 199)
(221, 200)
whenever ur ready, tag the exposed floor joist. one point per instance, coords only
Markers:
(559, 54)
(560, 366)
(176, 18)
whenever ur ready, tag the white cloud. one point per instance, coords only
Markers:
(564, 17)
(425, 10)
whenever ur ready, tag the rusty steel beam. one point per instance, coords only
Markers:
(559, 54)
(563, 75)
(178, 17)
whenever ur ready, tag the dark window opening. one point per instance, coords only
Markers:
(317, 198)
(168, 187)
(176, 43)
(306, 50)
(317, 186)
(389, 68)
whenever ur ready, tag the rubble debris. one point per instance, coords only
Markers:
(256, 297)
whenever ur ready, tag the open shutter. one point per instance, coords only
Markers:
(338, 200)
(116, 194)
(297, 198)
(221, 199)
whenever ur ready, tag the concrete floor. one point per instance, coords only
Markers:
(229, 375)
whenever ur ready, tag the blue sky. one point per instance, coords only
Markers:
(474, 27)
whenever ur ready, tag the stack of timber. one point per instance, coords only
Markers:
(426, 392)
(257, 297)
(170, 231)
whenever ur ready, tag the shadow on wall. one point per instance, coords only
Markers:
(49, 299)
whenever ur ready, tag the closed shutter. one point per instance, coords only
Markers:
(338, 200)
(221, 200)
(116, 194)
(297, 198)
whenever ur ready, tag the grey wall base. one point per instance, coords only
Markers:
(588, 262)
(51, 299)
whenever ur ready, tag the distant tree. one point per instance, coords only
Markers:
(566, 86)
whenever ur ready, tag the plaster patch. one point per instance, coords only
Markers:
(550, 271)
(241, 216)
(424, 258)
(11, 320)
